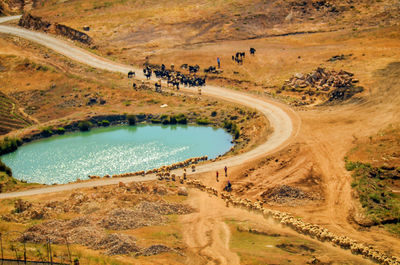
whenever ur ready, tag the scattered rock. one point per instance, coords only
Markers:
(155, 249)
(182, 191)
(339, 57)
(32, 22)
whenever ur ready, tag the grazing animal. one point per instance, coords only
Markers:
(158, 86)
(252, 51)
(131, 74)
(147, 72)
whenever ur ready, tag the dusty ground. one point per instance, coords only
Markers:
(310, 173)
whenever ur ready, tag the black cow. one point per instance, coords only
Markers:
(131, 74)
(252, 51)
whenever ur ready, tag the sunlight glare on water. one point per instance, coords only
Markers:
(113, 150)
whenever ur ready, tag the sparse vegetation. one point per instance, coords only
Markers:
(374, 188)
(202, 121)
(104, 123)
(47, 131)
(85, 126)
(232, 128)
(131, 119)
(60, 130)
(9, 145)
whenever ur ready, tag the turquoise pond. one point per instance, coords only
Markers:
(113, 150)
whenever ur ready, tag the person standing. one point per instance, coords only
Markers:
(226, 171)
(219, 62)
(217, 176)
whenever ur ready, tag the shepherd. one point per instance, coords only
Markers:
(219, 62)
(217, 176)
(226, 171)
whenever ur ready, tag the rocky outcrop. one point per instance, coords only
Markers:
(37, 23)
(11, 7)
(73, 34)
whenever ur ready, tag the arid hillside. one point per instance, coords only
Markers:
(182, 22)
(336, 64)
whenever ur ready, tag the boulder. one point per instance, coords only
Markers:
(182, 191)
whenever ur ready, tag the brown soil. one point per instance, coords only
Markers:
(310, 173)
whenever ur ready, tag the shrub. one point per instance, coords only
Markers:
(155, 120)
(181, 119)
(5, 168)
(131, 119)
(60, 130)
(232, 128)
(203, 121)
(164, 119)
(227, 125)
(46, 132)
(213, 114)
(104, 123)
(375, 197)
(9, 145)
(350, 166)
(237, 134)
(172, 120)
(85, 126)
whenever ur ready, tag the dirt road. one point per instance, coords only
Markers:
(283, 120)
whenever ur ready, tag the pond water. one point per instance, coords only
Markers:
(113, 150)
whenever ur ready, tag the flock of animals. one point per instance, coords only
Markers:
(176, 78)
(312, 230)
(164, 170)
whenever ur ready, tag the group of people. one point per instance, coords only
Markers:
(228, 186)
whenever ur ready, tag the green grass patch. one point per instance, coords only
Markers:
(203, 121)
(373, 186)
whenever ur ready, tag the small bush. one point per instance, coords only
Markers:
(350, 166)
(131, 119)
(164, 119)
(9, 145)
(85, 126)
(172, 120)
(232, 128)
(181, 119)
(227, 125)
(46, 132)
(60, 130)
(155, 121)
(203, 121)
(237, 134)
(104, 123)
(213, 114)
(5, 168)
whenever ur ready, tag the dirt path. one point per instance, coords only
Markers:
(283, 120)
(206, 233)
(10, 18)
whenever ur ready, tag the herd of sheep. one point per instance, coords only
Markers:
(162, 170)
(312, 230)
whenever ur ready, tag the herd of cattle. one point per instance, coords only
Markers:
(175, 78)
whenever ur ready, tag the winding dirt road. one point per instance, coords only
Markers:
(283, 120)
